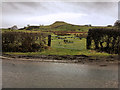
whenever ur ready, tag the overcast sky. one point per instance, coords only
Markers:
(45, 13)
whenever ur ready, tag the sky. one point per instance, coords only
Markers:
(46, 13)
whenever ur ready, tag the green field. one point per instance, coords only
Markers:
(59, 47)
(72, 46)
(74, 43)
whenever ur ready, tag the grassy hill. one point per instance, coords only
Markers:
(60, 26)
(63, 26)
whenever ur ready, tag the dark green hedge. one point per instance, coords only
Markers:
(23, 42)
(103, 39)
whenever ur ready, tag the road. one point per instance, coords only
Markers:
(28, 74)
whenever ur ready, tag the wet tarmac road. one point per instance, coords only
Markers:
(26, 74)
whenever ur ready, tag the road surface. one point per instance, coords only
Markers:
(28, 74)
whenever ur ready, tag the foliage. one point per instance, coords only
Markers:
(32, 27)
(117, 24)
(23, 42)
(59, 47)
(103, 39)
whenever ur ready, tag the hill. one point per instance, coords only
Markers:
(60, 26)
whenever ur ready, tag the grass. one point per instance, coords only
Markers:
(75, 43)
(59, 26)
(58, 47)
(57, 51)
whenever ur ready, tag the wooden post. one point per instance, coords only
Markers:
(49, 40)
(88, 41)
(119, 47)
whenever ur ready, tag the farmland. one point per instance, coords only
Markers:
(66, 39)
(72, 46)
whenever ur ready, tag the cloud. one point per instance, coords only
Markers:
(23, 13)
(55, 17)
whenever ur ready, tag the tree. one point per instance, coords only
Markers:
(28, 25)
(109, 25)
(117, 24)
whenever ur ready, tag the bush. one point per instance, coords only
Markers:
(117, 24)
(109, 25)
(23, 42)
(104, 39)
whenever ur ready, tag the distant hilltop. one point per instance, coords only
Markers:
(59, 26)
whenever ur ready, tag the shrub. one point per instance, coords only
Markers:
(23, 42)
(117, 24)
(104, 39)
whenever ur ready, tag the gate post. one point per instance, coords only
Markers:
(49, 40)
(119, 47)
(88, 41)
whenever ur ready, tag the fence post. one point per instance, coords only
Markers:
(119, 47)
(49, 40)
(88, 42)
